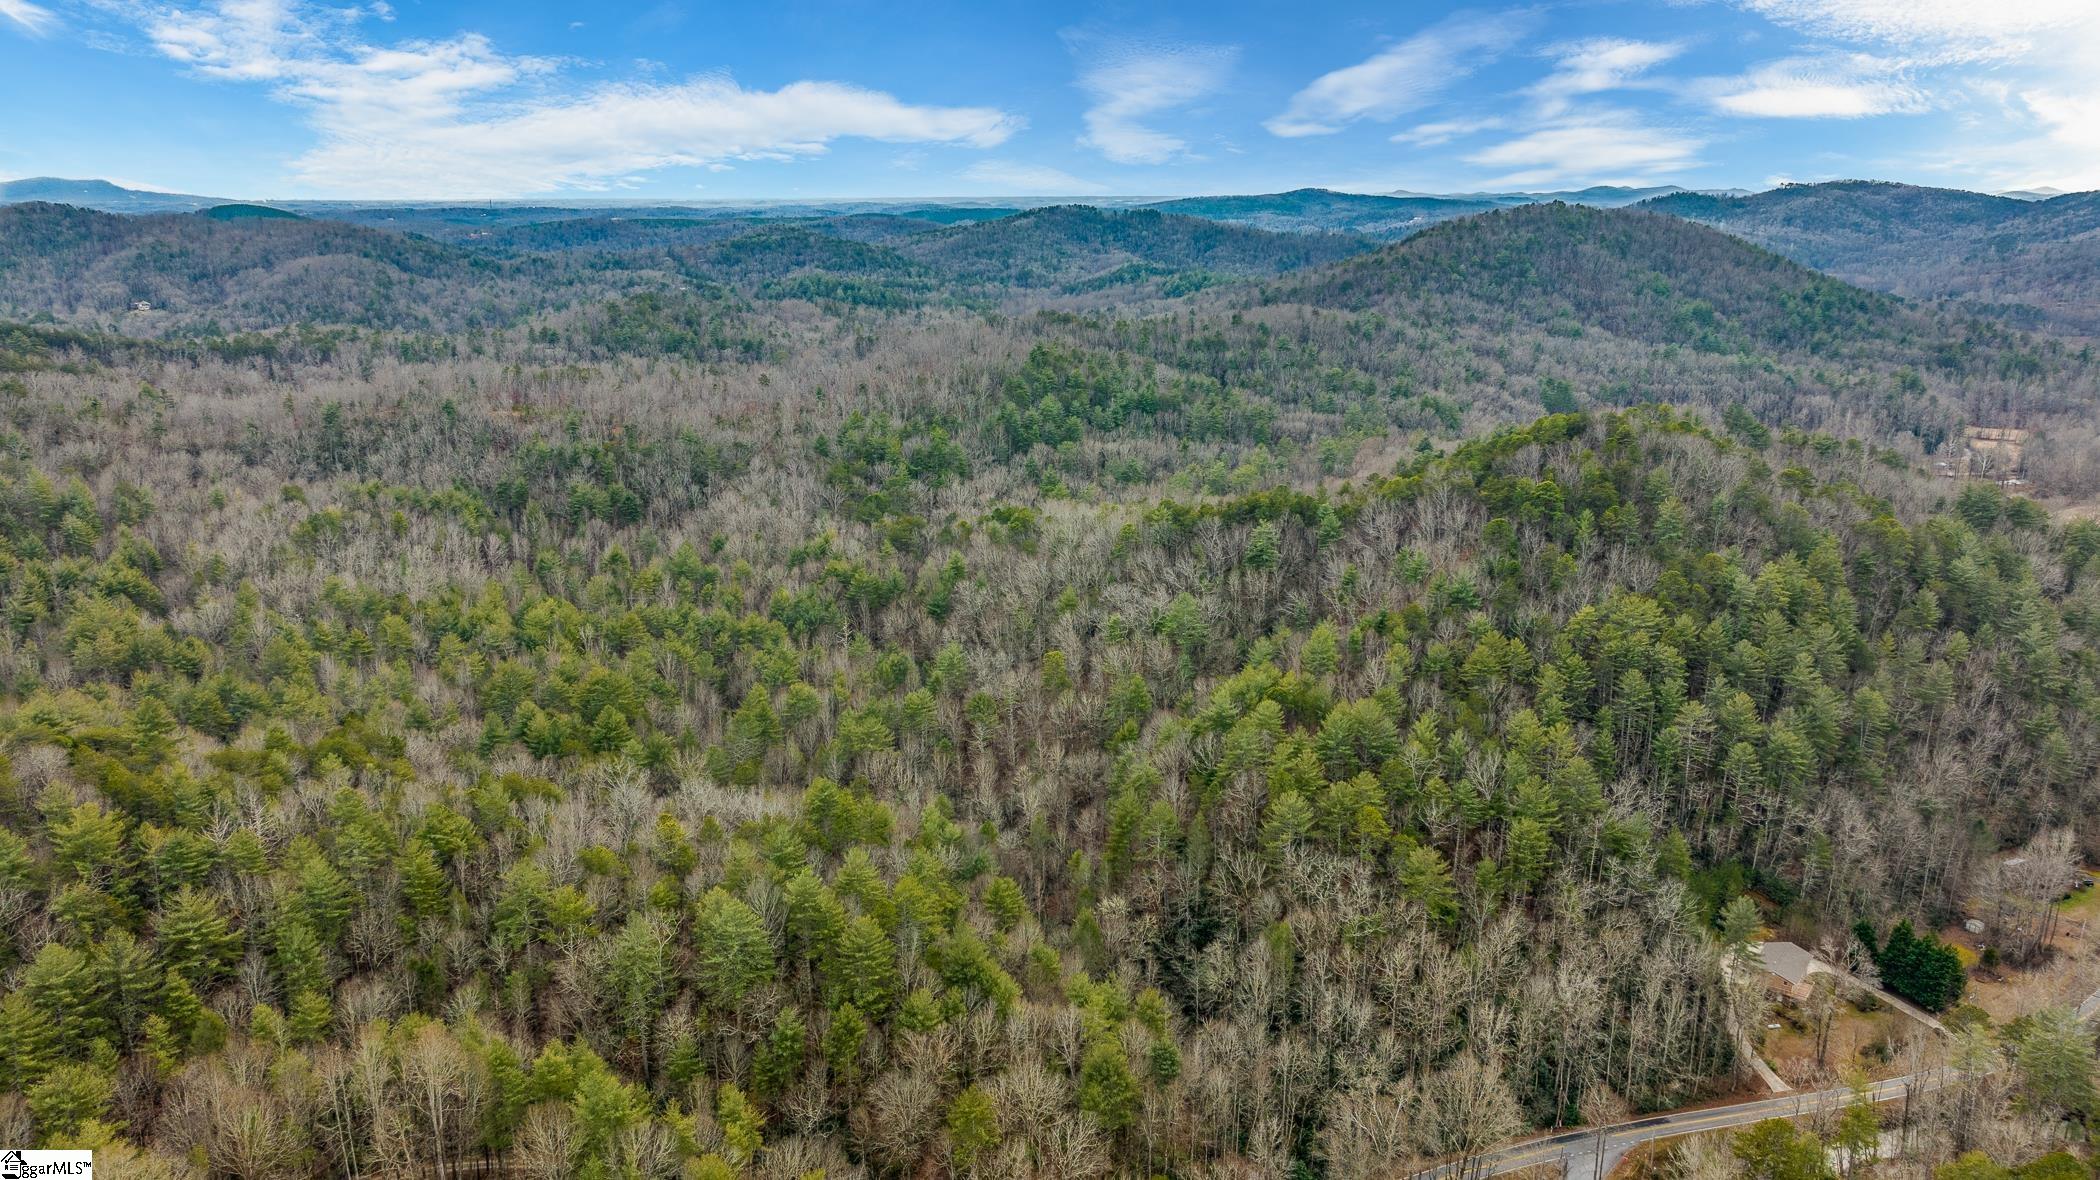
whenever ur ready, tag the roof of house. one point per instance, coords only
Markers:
(1784, 959)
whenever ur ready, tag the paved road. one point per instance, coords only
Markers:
(1576, 1153)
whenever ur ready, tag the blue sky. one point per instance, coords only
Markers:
(686, 100)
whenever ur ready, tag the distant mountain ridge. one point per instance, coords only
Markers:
(251, 266)
(1386, 216)
(1605, 196)
(250, 271)
(1395, 215)
(1074, 246)
(1476, 321)
(2033, 259)
(1317, 210)
(102, 195)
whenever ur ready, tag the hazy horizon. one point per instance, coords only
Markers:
(965, 200)
(291, 100)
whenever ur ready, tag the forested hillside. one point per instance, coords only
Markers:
(1387, 216)
(1076, 243)
(1497, 318)
(256, 272)
(1486, 320)
(1315, 210)
(1081, 694)
(2033, 262)
(247, 272)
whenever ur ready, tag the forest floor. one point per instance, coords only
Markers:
(2066, 509)
(1868, 1040)
(2067, 975)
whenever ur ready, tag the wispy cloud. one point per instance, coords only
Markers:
(1849, 86)
(1401, 78)
(461, 117)
(2036, 55)
(1129, 82)
(31, 18)
(1602, 147)
(1945, 29)
(1443, 131)
(1570, 135)
(2068, 155)
(1595, 65)
(1029, 180)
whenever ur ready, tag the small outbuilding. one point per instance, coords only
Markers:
(1787, 968)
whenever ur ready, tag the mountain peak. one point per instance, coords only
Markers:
(95, 193)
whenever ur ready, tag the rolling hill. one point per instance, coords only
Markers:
(1491, 319)
(1631, 273)
(250, 266)
(240, 211)
(1063, 245)
(1604, 196)
(2029, 259)
(1390, 216)
(252, 271)
(2034, 262)
(1314, 210)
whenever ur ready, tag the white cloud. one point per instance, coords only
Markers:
(1130, 82)
(32, 18)
(1029, 180)
(1444, 131)
(1400, 78)
(576, 142)
(1603, 147)
(461, 118)
(1848, 87)
(1971, 29)
(2067, 154)
(1566, 140)
(2036, 55)
(1598, 64)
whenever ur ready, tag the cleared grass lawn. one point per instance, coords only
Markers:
(2065, 976)
(2083, 904)
(1856, 1039)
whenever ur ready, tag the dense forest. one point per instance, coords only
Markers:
(2031, 262)
(1070, 694)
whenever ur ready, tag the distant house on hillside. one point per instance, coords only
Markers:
(141, 305)
(1787, 969)
(1995, 453)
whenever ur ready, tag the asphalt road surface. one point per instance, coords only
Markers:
(1591, 1154)
(1576, 1153)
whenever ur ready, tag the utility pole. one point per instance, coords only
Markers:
(1905, 1137)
